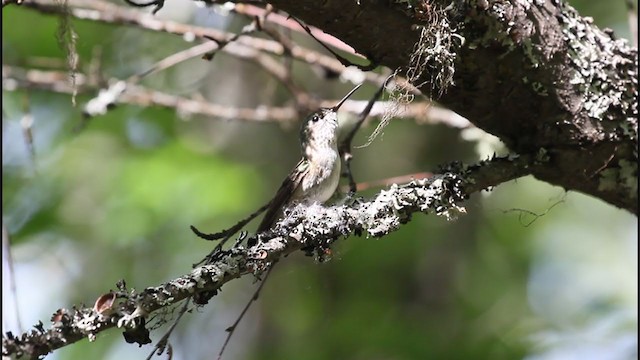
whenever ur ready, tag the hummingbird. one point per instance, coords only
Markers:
(315, 178)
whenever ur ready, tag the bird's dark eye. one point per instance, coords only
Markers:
(315, 118)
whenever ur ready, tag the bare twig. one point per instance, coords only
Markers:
(344, 61)
(231, 329)
(281, 72)
(286, 22)
(175, 59)
(8, 258)
(163, 343)
(632, 14)
(345, 145)
(248, 29)
(26, 123)
(275, 69)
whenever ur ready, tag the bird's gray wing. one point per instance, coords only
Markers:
(284, 195)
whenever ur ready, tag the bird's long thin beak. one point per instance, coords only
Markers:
(335, 108)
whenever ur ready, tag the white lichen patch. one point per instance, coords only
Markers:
(387, 211)
(230, 266)
(598, 64)
(276, 244)
(436, 194)
(201, 276)
(130, 320)
(380, 216)
(87, 323)
(106, 97)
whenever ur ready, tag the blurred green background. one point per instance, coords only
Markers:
(115, 199)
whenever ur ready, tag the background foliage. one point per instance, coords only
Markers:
(114, 198)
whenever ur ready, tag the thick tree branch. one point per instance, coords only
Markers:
(309, 227)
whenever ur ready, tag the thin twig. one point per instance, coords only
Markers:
(632, 14)
(163, 342)
(231, 329)
(174, 59)
(6, 251)
(345, 145)
(26, 123)
(285, 21)
(248, 29)
(272, 67)
(281, 72)
(344, 61)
